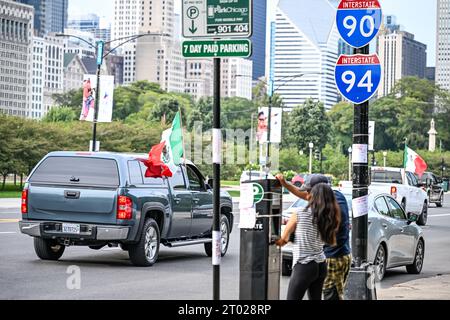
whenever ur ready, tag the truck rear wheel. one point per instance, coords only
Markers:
(47, 249)
(145, 252)
(441, 201)
(224, 237)
(424, 215)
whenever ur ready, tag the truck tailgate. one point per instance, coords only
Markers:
(72, 204)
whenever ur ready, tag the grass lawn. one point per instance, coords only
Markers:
(11, 191)
(234, 193)
(229, 183)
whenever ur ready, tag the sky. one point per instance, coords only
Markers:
(415, 16)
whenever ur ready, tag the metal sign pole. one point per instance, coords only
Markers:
(100, 49)
(217, 159)
(360, 177)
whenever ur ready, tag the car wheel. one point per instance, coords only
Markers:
(424, 215)
(286, 267)
(380, 263)
(48, 249)
(145, 252)
(441, 202)
(417, 265)
(224, 237)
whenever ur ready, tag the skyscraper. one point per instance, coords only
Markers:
(16, 43)
(306, 49)
(443, 44)
(401, 56)
(259, 39)
(49, 15)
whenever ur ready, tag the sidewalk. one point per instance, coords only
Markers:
(435, 288)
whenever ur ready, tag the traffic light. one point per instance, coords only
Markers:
(317, 155)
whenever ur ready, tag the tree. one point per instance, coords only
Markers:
(341, 117)
(308, 123)
(60, 114)
(72, 99)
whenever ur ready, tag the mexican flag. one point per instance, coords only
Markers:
(413, 162)
(156, 168)
(173, 139)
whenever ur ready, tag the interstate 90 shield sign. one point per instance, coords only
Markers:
(358, 76)
(359, 21)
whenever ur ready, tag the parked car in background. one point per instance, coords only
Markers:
(255, 175)
(299, 179)
(394, 239)
(433, 187)
(104, 199)
(404, 187)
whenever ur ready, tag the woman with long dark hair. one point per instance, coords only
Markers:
(314, 226)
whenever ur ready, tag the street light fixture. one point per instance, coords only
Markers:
(350, 150)
(100, 55)
(311, 146)
(272, 91)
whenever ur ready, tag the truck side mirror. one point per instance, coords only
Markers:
(209, 183)
(429, 182)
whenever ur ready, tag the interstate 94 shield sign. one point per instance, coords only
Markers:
(359, 21)
(358, 76)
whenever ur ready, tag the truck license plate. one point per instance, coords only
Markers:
(71, 228)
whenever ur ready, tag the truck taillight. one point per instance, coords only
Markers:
(24, 205)
(124, 208)
(394, 192)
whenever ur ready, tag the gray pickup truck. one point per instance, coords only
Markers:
(100, 199)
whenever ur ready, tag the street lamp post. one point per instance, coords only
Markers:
(350, 150)
(100, 56)
(384, 158)
(311, 146)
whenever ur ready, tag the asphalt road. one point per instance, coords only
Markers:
(181, 273)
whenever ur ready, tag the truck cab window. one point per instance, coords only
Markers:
(134, 170)
(177, 180)
(195, 182)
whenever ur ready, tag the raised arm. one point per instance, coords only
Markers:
(292, 189)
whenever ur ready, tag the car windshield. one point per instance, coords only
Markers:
(300, 203)
(386, 176)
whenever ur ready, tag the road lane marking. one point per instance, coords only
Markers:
(9, 220)
(439, 215)
(8, 232)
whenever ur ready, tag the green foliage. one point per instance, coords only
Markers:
(60, 114)
(308, 123)
(288, 175)
(72, 99)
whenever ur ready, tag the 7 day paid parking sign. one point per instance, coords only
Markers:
(219, 48)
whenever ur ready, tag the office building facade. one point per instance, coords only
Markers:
(443, 44)
(16, 51)
(259, 39)
(306, 50)
(49, 15)
(401, 56)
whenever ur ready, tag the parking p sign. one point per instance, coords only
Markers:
(358, 76)
(359, 21)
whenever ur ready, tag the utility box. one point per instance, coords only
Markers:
(260, 258)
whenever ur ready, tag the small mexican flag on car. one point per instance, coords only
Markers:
(413, 162)
(164, 158)
(173, 139)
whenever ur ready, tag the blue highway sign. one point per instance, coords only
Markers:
(359, 21)
(358, 76)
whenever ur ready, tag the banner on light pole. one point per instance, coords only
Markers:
(105, 106)
(263, 124)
